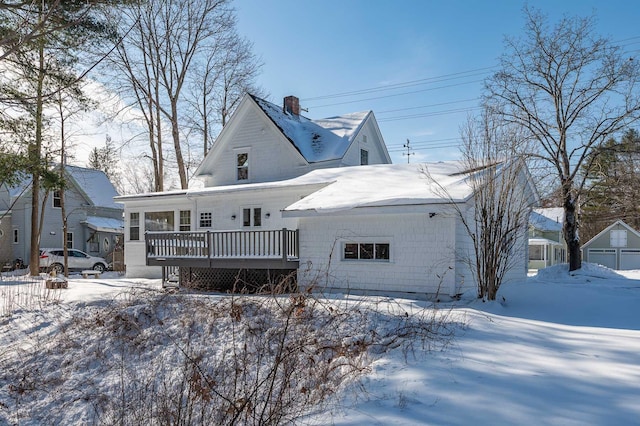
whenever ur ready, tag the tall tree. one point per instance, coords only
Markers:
(569, 89)
(39, 67)
(172, 59)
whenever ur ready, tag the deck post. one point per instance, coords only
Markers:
(285, 245)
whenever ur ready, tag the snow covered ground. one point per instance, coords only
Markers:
(556, 349)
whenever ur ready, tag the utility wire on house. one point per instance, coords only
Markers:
(409, 152)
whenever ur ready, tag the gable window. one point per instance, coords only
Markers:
(134, 226)
(618, 238)
(185, 220)
(206, 219)
(364, 157)
(16, 235)
(366, 251)
(242, 166)
(252, 216)
(57, 201)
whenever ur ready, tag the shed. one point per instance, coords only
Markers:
(616, 247)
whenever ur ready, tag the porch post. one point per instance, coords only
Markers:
(285, 245)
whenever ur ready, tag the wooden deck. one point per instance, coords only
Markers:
(264, 249)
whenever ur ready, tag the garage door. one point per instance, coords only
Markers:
(604, 257)
(629, 259)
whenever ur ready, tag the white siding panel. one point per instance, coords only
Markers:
(422, 253)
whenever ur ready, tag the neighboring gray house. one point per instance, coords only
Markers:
(546, 243)
(94, 221)
(616, 247)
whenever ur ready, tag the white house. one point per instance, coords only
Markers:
(318, 199)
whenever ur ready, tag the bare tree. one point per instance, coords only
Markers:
(498, 216)
(227, 74)
(170, 43)
(570, 90)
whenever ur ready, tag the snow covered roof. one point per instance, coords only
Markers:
(96, 186)
(543, 223)
(385, 185)
(105, 224)
(555, 214)
(317, 140)
(344, 188)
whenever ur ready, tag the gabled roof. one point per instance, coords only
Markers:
(609, 228)
(544, 223)
(317, 140)
(93, 184)
(555, 214)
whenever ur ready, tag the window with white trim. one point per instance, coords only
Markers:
(57, 199)
(185, 220)
(364, 157)
(252, 216)
(366, 251)
(69, 240)
(134, 226)
(242, 166)
(206, 220)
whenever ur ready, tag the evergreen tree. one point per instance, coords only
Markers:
(614, 190)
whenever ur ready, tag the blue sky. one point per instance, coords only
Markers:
(418, 65)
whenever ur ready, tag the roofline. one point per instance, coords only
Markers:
(608, 228)
(407, 208)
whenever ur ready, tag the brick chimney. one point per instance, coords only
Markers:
(291, 105)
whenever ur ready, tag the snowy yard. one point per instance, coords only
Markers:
(555, 349)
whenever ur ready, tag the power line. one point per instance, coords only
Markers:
(437, 79)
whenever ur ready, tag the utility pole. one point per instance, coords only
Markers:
(409, 153)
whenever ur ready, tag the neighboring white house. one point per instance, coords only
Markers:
(318, 198)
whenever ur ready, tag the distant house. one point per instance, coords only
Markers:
(616, 247)
(546, 243)
(94, 220)
(317, 199)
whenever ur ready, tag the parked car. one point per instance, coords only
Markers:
(52, 259)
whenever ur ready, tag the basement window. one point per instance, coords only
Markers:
(366, 251)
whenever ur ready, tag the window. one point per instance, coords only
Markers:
(185, 220)
(69, 240)
(364, 138)
(536, 252)
(364, 157)
(242, 165)
(252, 217)
(206, 219)
(618, 238)
(366, 251)
(158, 221)
(57, 202)
(16, 235)
(134, 226)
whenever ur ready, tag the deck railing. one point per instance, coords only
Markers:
(263, 244)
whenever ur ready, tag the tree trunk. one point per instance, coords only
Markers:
(570, 229)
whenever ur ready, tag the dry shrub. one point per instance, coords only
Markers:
(190, 359)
